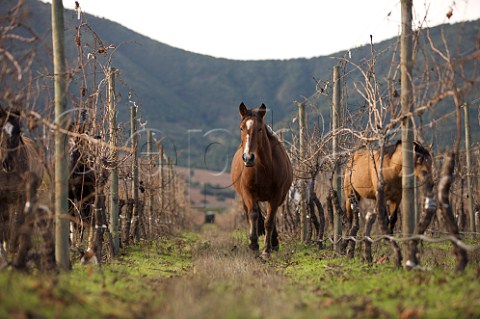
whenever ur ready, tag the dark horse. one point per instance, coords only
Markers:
(261, 171)
(84, 183)
(20, 167)
(81, 188)
(361, 176)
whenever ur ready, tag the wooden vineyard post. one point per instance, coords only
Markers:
(303, 188)
(150, 188)
(471, 207)
(113, 203)
(135, 229)
(161, 176)
(61, 169)
(406, 63)
(337, 182)
(97, 229)
(174, 185)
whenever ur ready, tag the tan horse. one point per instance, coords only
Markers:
(21, 164)
(361, 174)
(261, 171)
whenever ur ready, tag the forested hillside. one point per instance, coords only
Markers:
(178, 91)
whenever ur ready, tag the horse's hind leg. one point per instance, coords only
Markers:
(393, 210)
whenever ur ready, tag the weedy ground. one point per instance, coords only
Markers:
(212, 274)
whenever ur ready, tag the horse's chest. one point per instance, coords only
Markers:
(260, 188)
(262, 191)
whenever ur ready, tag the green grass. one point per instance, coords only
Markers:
(120, 289)
(351, 288)
(214, 275)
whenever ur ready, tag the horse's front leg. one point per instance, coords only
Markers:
(271, 236)
(253, 215)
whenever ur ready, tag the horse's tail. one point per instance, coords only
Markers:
(261, 222)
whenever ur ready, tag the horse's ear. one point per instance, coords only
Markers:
(17, 112)
(417, 146)
(262, 110)
(243, 109)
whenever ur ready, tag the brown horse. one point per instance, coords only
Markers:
(20, 167)
(261, 171)
(361, 176)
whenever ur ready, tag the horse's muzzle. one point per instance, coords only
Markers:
(248, 160)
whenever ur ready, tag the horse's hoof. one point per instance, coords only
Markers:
(265, 256)
(254, 247)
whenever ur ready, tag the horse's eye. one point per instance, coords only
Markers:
(241, 129)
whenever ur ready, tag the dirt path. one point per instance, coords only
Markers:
(227, 281)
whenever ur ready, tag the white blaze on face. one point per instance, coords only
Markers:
(8, 128)
(249, 124)
(246, 150)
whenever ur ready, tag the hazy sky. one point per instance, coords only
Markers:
(271, 29)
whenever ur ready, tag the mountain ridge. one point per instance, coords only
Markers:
(179, 91)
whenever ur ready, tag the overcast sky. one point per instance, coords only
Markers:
(272, 29)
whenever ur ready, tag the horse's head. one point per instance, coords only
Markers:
(9, 138)
(253, 132)
(423, 162)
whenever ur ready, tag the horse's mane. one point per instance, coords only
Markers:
(270, 132)
(421, 150)
(389, 150)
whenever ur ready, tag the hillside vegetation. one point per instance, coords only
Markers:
(178, 91)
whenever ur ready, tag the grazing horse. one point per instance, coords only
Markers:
(261, 171)
(361, 176)
(20, 167)
(83, 182)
